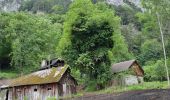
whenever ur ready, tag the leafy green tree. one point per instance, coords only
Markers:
(31, 39)
(5, 43)
(149, 26)
(91, 31)
(48, 6)
(153, 72)
(160, 9)
(150, 40)
(120, 49)
(150, 51)
(127, 14)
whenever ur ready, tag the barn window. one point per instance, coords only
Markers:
(35, 90)
(49, 88)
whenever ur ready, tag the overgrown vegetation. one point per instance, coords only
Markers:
(27, 39)
(92, 34)
(47, 6)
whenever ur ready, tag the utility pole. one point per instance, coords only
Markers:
(163, 45)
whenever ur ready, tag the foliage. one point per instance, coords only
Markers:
(153, 72)
(90, 32)
(150, 51)
(130, 27)
(133, 38)
(5, 43)
(8, 74)
(127, 14)
(48, 6)
(120, 50)
(150, 29)
(161, 8)
(32, 39)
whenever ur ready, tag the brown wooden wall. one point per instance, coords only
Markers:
(68, 84)
(137, 69)
(34, 92)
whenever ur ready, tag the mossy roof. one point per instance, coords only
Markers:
(46, 76)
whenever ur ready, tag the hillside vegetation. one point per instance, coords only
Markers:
(89, 35)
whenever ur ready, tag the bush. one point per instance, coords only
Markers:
(155, 71)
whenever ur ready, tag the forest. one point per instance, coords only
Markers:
(89, 35)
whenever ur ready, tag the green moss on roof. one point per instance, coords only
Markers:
(51, 75)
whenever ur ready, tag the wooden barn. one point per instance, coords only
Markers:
(127, 73)
(47, 82)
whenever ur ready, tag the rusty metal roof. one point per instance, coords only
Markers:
(46, 76)
(123, 66)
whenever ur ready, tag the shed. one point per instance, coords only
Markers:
(135, 77)
(42, 84)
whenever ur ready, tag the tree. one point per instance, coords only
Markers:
(31, 39)
(91, 31)
(153, 72)
(150, 51)
(47, 6)
(5, 43)
(162, 10)
(127, 14)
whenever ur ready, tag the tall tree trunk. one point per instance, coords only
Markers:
(163, 45)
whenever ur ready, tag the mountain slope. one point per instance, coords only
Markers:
(46, 5)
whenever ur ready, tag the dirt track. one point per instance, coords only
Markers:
(157, 94)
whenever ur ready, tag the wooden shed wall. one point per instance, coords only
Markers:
(66, 86)
(34, 92)
(137, 69)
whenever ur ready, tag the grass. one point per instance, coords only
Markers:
(119, 89)
(143, 86)
(8, 74)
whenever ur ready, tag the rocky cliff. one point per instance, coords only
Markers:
(121, 2)
(14, 5)
(9, 5)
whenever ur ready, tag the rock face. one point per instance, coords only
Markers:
(115, 2)
(136, 2)
(121, 2)
(10, 5)
(14, 5)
